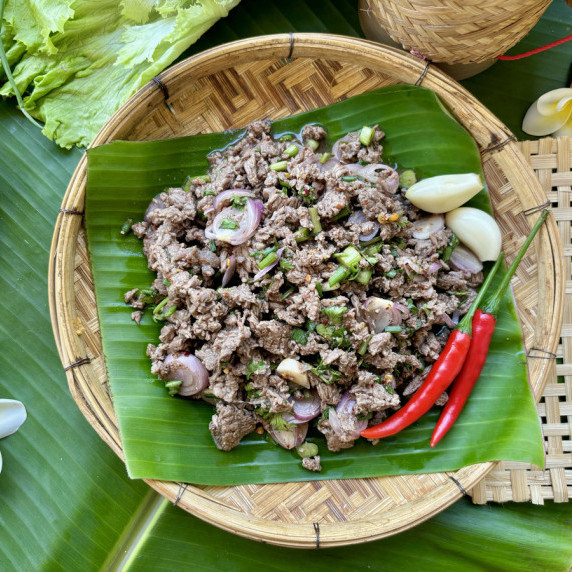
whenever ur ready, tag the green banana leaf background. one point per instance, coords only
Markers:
(122, 179)
(66, 502)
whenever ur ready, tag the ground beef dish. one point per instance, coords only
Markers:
(316, 258)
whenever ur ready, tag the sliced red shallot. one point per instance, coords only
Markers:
(189, 370)
(349, 138)
(230, 270)
(434, 267)
(448, 322)
(289, 438)
(380, 313)
(266, 270)
(343, 421)
(403, 309)
(464, 260)
(222, 198)
(358, 217)
(247, 221)
(307, 408)
(427, 226)
(156, 203)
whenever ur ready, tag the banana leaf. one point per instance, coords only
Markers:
(166, 438)
(66, 502)
(463, 537)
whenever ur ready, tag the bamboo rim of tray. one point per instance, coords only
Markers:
(161, 103)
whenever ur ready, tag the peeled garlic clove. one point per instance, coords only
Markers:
(549, 113)
(477, 230)
(445, 192)
(294, 371)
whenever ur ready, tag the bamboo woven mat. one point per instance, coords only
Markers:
(551, 159)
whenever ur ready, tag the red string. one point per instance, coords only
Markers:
(537, 50)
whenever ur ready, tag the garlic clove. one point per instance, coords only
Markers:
(477, 230)
(295, 371)
(549, 113)
(444, 193)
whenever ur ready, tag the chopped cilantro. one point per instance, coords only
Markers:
(209, 193)
(253, 366)
(212, 245)
(326, 373)
(279, 423)
(238, 202)
(299, 336)
(335, 314)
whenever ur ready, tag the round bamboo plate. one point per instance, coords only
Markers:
(276, 76)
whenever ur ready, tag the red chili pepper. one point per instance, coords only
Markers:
(484, 324)
(442, 373)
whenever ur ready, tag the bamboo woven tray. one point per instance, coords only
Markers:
(551, 160)
(277, 76)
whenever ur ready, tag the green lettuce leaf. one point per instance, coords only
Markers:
(79, 76)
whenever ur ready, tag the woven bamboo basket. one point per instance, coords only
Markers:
(463, 36)
(276, 76)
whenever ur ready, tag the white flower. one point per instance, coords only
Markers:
(12, 415)
(550, 114)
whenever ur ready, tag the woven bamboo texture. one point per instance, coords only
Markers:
(277, 76)
(551, 160)
(456, 31)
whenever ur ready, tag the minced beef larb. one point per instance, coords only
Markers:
(297, 286)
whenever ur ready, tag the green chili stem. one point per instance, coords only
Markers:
(492, 305)
(465, 325)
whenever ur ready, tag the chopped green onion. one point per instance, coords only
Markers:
(366, 135)
(393, 329)
(286, 137)
(349, 179)
(264, 252)
(299, 335)
(325, 157)
(319, 289)
(364, 276)
(343, 213)
(287, 293)
(212, 245)
(268, 260)
(316, 224)
(166, 282)
(126, 226)
(209, 193)
(173, 387)
(279, 166)
(229, 224)
(335, 314)
(407, 179)
(160, 305)
(201, 215)
(338, 276)
(349, 257)
(391, 273)
(364, 345)
(291, 151)
(286, 264)
(312, 143)
(302, 234)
